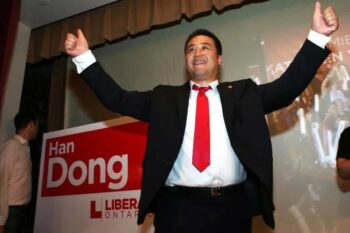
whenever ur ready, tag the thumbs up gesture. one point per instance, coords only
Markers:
(75, 45)
(325, 22)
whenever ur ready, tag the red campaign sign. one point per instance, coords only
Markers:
(103, 160)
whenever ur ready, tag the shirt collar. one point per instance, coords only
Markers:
(213, 84)
(21, 140)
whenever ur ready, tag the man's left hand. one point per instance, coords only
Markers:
(325, 23)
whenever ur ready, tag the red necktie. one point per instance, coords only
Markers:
(201, 139)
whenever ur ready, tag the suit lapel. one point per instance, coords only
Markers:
(182, 98)
(228, 103)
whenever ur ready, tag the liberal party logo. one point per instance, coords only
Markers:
(108, 209)
(94, 213)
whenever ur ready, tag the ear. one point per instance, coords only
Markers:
(220, 59)
(31, 124)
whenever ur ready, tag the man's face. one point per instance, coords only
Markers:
(202, 60)
(34, 128)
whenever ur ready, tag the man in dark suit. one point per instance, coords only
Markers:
(208, 161)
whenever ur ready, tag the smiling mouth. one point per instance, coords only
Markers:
(199, 62)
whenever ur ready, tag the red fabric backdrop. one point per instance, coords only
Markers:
(9, 18)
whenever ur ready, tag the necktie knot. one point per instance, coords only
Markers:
(201, 90)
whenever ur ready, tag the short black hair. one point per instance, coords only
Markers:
(22, 119)
(205, 32)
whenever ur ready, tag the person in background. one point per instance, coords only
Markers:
(208, 161)
(343, 155)
(15, 174)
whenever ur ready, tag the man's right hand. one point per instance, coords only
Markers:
(75, 45)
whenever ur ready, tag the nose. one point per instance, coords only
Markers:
(197, 52)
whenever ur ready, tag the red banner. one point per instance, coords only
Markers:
(103, 160)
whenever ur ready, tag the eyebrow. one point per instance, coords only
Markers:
(203, 43)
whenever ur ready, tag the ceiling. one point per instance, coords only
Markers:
(36, 13)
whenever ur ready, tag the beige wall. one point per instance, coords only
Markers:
(13, 90)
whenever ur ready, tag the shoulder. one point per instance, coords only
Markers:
(11, 142)
(346, 133)
(10, 146)
(239, 87)
(241, 82)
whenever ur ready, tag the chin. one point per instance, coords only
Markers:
(199, 74)
(199, 78)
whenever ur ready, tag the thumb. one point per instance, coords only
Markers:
(80, 34)
(318, 10)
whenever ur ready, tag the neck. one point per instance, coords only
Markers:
(24, 134)
(204, 78)
(203, 81)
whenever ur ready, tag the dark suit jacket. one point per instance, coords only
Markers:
(244, 107)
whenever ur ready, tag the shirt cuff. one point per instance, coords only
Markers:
(84, 60)
(318, 39)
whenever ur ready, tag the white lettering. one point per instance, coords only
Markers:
(102, 165)
(122, 174)
(342, 41)
(59, 161)
(119, 174)
(77, 181)
(61, 148)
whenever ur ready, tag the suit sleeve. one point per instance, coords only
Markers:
(344, 145)
(282, 91)
(113, 97)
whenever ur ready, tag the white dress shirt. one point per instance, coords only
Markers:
(225, 168)
(15, 175)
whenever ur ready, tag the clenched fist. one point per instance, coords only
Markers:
(325, 23)
(75, 45)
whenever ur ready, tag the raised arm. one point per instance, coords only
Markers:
(282, 91)
(111, 95)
